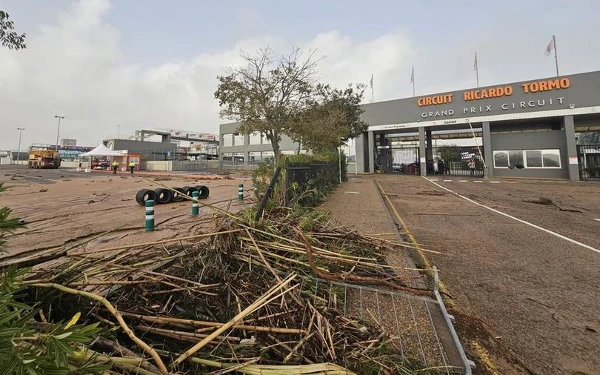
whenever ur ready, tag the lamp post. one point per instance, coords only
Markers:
(19, 151)
(58, 130)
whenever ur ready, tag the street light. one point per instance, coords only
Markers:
(19, 151)
(58, 130)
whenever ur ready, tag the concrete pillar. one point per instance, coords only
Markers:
(571, 148)
(359, 148)
(422, 156)
(486, 137)
(371, 138)
(429, 155)
(245, 152)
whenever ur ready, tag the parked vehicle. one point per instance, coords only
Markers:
(43, 158)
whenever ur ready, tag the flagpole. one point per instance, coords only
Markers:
(555, 54)
(413, 79)
(476, 69)
(372, 90)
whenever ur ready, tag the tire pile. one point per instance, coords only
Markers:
(163, 196)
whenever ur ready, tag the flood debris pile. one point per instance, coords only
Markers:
(243, 299)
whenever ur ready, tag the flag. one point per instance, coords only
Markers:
(475, 63)
(412, 75)
(550, 47)
(371, 82)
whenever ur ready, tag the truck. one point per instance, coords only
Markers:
(43, 158)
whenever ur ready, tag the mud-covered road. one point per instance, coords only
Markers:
(65, 208)
(521, 294)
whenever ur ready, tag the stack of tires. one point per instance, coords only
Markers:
(163, 196)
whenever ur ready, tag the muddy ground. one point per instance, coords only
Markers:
(68, 208)
(526, 301)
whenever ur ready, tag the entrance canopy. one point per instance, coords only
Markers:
(102, 150)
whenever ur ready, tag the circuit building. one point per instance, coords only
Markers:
(524, 129)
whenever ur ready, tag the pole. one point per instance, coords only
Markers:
(412, 79)
(149, 215)
(340, 162)
(476, 69)
(195, 203)
(555, 54)
(477, 144)
(58, 130)
(372, 90)
(241, 192)
(19, 151)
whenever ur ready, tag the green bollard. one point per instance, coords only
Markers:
(149, 215)
(241, 192)
(195, 203)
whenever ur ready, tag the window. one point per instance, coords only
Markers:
(551, 158)
(527, 159)
(255, 138)
(515, 158)
(227, 140)
(238, 139)
(533, 158)
(254, 157)
(501, 159)
(268, 155)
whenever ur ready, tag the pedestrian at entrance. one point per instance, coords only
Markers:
(442, 166)
(115, 166)
(472, 166)
(436, 166)
(131, 166)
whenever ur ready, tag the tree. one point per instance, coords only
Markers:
(331, 118)
(9, 38)
(268, 93)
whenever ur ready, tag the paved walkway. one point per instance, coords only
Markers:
(357, 204)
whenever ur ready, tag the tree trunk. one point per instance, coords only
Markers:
(275, 145)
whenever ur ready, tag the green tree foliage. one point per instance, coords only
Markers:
(268, 93)
(7, 224)
(28, 347)
(331, 118)
(8, 37)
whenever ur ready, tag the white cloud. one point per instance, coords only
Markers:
(76, 67)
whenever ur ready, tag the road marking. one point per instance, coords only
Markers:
(519, 220)
(462, 180)
(494, 182)
(447, 180)
(597, 219)
(478, 182)
(434, 180)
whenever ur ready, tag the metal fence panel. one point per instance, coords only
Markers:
(589, 162)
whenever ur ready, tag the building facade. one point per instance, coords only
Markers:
(521, 129)
(249, 149)
(525, 129)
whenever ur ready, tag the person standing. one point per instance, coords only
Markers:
(436, 168)
(131, 166)
(472, 166)
(115, 166)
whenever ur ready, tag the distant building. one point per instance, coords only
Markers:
(150, 151)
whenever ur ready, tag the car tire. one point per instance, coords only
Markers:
(203, 191)
(188, 190)
(178, 195)
(145, 195)
(163, 196)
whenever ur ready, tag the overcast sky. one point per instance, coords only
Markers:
(153, 64)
